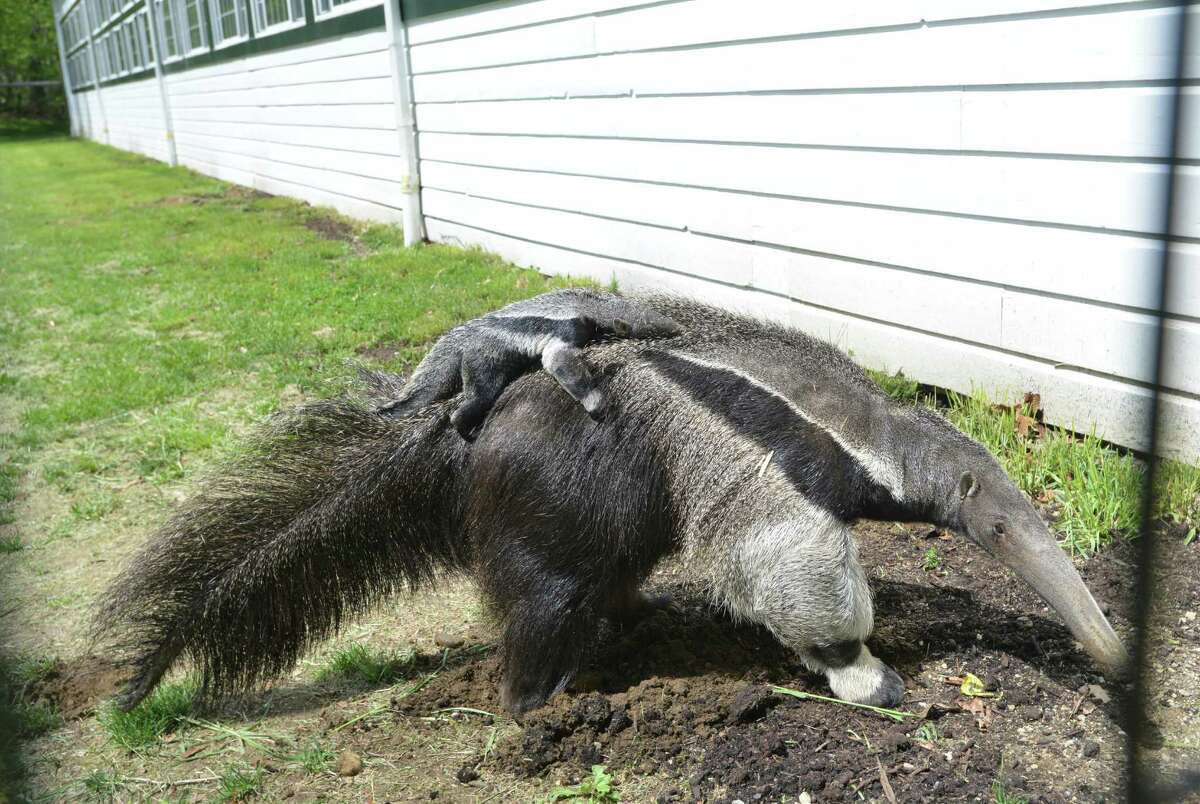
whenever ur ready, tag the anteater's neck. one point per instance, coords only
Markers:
(916, 447)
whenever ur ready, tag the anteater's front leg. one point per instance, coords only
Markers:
(802, 580)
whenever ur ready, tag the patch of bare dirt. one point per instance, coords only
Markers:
(75, 688)
(686, 699)
(383, 351)
(233, 192)
(330, 228)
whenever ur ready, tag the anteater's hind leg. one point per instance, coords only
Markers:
(802, 580)
(437, 377)
(550, 620)
(486, 371)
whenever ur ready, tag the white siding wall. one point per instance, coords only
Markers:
(970, 192)
(314, 122)
(973, 199)
(135, 117)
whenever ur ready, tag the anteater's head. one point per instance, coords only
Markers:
(986, 507)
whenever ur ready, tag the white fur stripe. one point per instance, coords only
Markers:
(879, 468)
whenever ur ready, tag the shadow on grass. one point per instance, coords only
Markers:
(19, 129)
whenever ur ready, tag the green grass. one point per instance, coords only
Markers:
(314, 759)
(1095, 488)
(150, 314)
(238, 784)
(367, 666)
(103, 786)
(163, 712)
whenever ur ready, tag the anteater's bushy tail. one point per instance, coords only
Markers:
(330, 509)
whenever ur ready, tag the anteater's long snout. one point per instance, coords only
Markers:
(1031, 551)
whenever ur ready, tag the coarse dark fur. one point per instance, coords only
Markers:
(746, 446)
(484, 356)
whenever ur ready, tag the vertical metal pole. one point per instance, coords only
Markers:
(1141, 782)
(406, 126)
(168, 122)
(72, 113)
(89, 25)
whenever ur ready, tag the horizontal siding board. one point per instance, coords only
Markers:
(1121, 121)
(377, 115)
(1099, 339)
(1113, 269)
(501, 16)
(354, 44)
(1069, 397)
(386, 168)
(343, 68)
(1113, 195)
(384, 142)
(329, 93)
(364, 188)
(1121, 46)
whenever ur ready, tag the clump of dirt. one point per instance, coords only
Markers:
(688, 697)
(330, 228)
(75, 687)
(233, 192)
(384, 351)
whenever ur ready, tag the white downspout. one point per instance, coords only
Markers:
(91, 45)
(410, 187)
(168, 123)
(72, 112)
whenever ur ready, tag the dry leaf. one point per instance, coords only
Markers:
(1024, 423)
(982, 712)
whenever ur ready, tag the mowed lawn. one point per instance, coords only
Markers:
(148, 317)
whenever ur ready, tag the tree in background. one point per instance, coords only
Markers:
(29, 52)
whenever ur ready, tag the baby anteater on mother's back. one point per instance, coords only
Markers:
(482, 357)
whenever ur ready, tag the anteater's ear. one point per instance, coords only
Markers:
(622, 328)
(968, 486)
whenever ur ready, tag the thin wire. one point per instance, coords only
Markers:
(1141, 783)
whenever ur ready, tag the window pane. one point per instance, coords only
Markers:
(274, 12)
(194, 24)
(166, 19)
(227, 18)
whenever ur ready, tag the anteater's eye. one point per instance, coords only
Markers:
(998, 529)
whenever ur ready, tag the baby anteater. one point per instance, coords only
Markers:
(482, 357)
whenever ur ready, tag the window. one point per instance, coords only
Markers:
(121, 55)
(134, 45)
(277, 14)
(228, 21)
(142, 26)
(330, 7)
(192, 27)
(167, 38)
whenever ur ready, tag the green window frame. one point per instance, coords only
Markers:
(229, 23)
(271, 16)
(329, 8)
(168, 28)
(193, 27)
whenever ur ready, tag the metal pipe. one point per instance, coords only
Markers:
(72, 114)
(91, 46)
(164, 98)
(406, 126)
